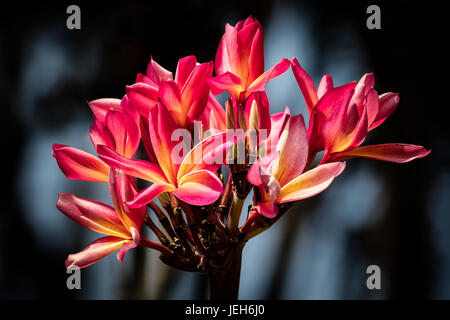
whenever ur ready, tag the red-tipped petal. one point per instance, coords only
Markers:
(136, 237)
(343, 126)
(91, 214)
(273, 72)
(325, 85)
(142, 97)
(226, 81)
(100, 135)
(392, 152)
(250, 51)
(195, 92)
(311, 182)
(162, 127)
(184, 68)
(267, 209)
(170, 96)
(94, 252)
(228, 56)
(136, 168)
(372, 106)
(278, 122)
(100, 107)
(125, 132)
(361, 90)
(209, 154)
(260, 176)
(80, 165)
(388, 102)
(293, 148)
(123, 189)
(157, 73)
(306, 85)
(149, 194)
(256, 57)
(199, 188)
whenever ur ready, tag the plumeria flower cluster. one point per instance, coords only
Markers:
(169, 146)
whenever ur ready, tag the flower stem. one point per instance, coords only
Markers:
(224, 281)
(235, 214)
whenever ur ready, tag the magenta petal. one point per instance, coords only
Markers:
(306, 85)
(100, 107)
(325, 85)
(129, 245)
(94, 252)
(392, 152)
(149, 194)
(142, 97)
(226, 81)
(199, 188)
(388, 102)
(80, 165)
(185, 66)
(273, 72)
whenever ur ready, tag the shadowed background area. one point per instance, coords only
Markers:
(394, 216)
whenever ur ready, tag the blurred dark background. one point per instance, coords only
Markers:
(394, 216)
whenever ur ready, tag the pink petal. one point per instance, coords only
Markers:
(306, 85)
(267, 209)
(311, 182)
(100, 134)
(170, 96)
(260, 176)
(293, 148)
(228, 56)
(372, 106)
(256, 56)
(80, 165)
(278, 122)
(262, 166)
(325, 85)
(226, 81)
(136, 168)
(332, 109)
(195, 92)
(199, 188)
(184, 68)
(123, 189)
(392, 152)
(161, 128)
(136, 238)
(361, 90)
(273, 72)
(125, 132)
(388, 102)
(94, 252)
(157, 73)
(149, 194)
(143, 78)
(100, 107)
(142, 97)
(91, 214)
(250, 38)
(343, 127)
(209, 154)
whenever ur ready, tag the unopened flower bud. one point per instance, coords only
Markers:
(231, 117)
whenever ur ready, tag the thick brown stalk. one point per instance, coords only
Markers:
(224, 281)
